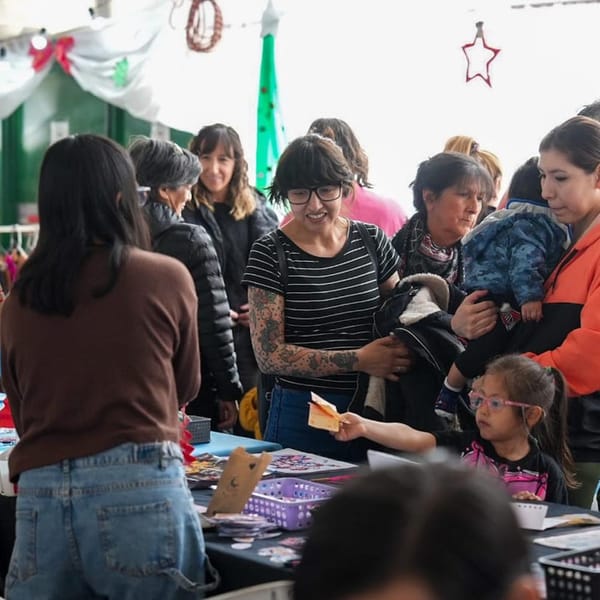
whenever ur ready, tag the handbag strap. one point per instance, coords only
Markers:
(281, 259)
(369, 243)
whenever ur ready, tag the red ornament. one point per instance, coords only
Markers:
(197, 30)
(40, 57)
(63, 45)
(60, 50)
(184, 441)
(479, 56)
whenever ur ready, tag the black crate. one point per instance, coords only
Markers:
(199, 427)
(572, 575)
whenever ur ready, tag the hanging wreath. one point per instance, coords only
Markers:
(197, 32)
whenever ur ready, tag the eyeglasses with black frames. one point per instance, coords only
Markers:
(325, 193)
(495, 404)
(142, 192)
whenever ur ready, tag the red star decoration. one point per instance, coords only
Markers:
(479, 56)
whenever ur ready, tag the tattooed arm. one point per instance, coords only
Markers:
(383, 357)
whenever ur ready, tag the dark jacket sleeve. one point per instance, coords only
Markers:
(456, 298)
(263, 220)
(186, 359)
(214, 322)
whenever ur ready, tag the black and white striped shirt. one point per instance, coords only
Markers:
(329, 302)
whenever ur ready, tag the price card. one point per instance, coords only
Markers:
(530, 515)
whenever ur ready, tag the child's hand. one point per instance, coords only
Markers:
(532, 311)
(526, 496)
(352, 426)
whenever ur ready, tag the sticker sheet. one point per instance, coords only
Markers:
(293, 462)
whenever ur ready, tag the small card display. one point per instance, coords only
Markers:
(204, 471)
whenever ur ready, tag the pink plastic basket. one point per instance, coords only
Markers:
(288, 501)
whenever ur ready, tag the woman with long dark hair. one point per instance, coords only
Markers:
(99, 349)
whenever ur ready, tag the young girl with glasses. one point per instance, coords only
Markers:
(520, 410)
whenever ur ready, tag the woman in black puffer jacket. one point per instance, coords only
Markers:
(169, 171)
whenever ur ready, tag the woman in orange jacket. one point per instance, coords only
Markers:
(568, 337)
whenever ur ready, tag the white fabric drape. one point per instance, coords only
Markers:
(96, 53)
(18, 79)
(93, 58)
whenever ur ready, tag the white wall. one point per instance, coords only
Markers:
(395, 71)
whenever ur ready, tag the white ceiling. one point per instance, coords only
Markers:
(25, 16)
(56, 16)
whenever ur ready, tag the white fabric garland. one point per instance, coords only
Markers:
(93, 58)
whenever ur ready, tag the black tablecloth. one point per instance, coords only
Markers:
(241, 568)
(7, 534)
(555, 510)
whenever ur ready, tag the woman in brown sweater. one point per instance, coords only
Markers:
(99, 346)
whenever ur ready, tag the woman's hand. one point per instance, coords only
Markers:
(385, 357)
(473, 318)
(351, 427)
(228, 413)
(243, 315)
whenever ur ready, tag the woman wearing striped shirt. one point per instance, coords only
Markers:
(311, 324)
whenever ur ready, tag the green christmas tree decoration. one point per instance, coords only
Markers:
(270, 130)
(121, 73)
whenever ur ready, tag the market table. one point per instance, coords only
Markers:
(241, 568)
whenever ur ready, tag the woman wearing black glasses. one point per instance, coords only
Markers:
(313, 287)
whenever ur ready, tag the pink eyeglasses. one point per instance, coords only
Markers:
(477, 400)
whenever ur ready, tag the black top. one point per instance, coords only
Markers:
(193, 247)
(329, 301)
(536, 472)
(233, 240)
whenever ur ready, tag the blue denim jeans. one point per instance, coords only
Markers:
(287, 425)
(116, 525)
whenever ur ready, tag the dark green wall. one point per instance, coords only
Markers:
(26, 134)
